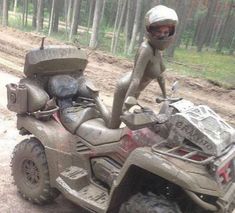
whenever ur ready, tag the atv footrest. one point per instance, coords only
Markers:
(95, 195)
(91, 196)
(75, 177)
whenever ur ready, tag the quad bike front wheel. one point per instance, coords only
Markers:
(149, 203)
(30, 172)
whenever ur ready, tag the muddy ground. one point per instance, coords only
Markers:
(104, 70)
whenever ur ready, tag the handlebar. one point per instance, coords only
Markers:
(172, 100)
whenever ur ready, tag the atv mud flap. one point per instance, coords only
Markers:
(226, 201)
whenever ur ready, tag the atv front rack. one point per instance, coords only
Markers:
(183, 152)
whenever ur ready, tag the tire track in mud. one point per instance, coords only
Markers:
(12, 49)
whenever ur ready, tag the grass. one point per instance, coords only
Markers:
(16, 22)
(217, 68)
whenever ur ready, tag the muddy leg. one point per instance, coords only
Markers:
(118, 100)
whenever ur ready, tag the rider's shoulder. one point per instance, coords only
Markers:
(145, 48)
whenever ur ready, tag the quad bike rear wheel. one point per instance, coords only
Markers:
(149, 203)
(30, 172)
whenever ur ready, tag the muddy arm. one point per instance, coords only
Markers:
(161, 78)
(161, 82)
(141, 62)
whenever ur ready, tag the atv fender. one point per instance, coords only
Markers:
(161, 166)
(56, 140)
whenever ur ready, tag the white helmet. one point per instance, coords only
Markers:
(158, 17)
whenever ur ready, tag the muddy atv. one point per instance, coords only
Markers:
(178, 160)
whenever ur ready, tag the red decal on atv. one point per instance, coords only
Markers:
(135, 139)
(225, 173)
(128, 144)
(56, 117)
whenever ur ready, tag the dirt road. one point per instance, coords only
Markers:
(104, 70)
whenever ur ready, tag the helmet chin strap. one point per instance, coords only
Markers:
(161, 37)
(159, 44)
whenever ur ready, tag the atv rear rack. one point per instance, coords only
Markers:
(184, 153)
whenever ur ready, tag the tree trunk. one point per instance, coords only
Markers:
(57, 11)
(5, 13)
(26, 12)
(113, 10)
(34, 18)
(190, 26)
(90, 17)
(136, 25)
(23, 13)
(232, 42)
(232, 47)
(103, 9)
(51, 18)
(49, 7)
(15, 6)
(1, 11)
(197, 32)
(207, 25)
(213, 26)
(69, 13)
(225, 28)
(216, 26)
(182, 9)
(75, 18)
(91, 13)
(118, 14)
(117, 34)
(146, 8)
(128, 24)
(40, 15)
(66, 3)
(230, 31)
(96, 24)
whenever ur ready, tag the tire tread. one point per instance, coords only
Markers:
(33, 147)
(149, 203)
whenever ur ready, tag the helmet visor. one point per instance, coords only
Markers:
(161, 32)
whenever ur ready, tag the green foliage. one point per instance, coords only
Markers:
(82, 38)
(84, 13)
(216, 68)
(61, 35)
(16, 22)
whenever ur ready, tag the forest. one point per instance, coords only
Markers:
(206, 29)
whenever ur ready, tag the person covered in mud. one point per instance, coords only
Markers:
(160, 24)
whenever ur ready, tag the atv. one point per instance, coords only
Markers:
(180, 159)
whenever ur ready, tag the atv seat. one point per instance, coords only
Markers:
(67, 89)
(96, 133)
(73, 117)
